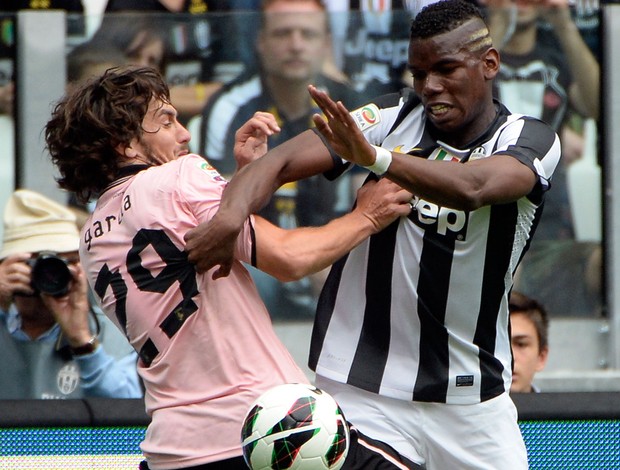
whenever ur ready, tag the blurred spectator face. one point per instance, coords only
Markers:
(294, 40)
(529, 358)
(527, 13)
(146, 50)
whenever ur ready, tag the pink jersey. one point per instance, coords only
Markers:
(210, 344)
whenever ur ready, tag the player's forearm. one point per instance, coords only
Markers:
(308, 250)
(469, 186)
(253, 185)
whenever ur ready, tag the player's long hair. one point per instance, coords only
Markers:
(92, 120)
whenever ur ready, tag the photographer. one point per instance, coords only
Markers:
(52, 342)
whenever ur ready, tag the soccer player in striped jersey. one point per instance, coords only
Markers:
(411, 333)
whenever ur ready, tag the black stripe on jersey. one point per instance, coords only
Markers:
(253, 238)
(373, 346)
(411, 100)
(114, 280)
(324, 310)
(533, 143)
(148, 352)
(497, 260)
(435, 263)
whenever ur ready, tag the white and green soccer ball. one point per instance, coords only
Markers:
(296, 427)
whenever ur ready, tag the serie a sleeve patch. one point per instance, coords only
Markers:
(210, 171)
(367, 116)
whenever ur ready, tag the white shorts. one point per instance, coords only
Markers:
(484, 436)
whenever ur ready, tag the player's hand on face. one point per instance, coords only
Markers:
(340, 130)
(383, 202)
(211, 244)
(251, 138)
(71, 310)
(14, 278)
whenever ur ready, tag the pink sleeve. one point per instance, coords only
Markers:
(201, 186)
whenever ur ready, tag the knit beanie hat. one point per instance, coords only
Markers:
(34, 223)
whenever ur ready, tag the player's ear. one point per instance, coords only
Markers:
(126, 150)
(490, 60)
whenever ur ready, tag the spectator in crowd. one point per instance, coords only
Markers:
(549, 72)
(411, 333)
(208, 41)
(293, 44)
(529, 337)
(371, 42)
(89, 59)
(149, 39)
(141, 38)
(207, 348)
(53, 342)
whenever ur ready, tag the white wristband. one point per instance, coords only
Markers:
(383, 159)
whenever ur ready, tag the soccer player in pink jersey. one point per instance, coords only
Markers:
(207, 348)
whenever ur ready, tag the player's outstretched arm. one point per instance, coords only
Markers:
(292, 254)
(212, 243)
(493, 180)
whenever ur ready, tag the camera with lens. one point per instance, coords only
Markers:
(50, 274)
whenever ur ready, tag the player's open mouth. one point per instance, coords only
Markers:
(437, 110)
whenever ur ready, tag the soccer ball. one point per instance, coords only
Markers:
(296, 427)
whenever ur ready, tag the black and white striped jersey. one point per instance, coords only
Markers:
(419, 311)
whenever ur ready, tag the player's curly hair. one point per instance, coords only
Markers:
(442, 17)
(89, 123)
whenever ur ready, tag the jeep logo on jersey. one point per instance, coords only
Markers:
(443, 220)
(366, 116)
